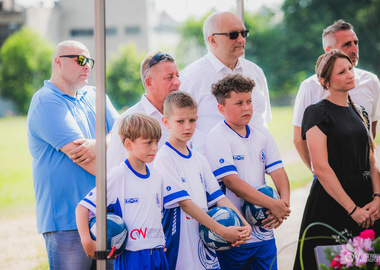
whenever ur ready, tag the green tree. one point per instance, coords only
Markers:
(304, 21)
(25, 59)
(123, 77)
(266, 46)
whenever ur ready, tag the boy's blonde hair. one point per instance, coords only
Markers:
(138, 125)
(178, 99)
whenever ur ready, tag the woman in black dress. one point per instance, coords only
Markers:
(345, 194)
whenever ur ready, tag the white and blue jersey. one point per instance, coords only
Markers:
(249, 157)
(137, 199)
(186, 177)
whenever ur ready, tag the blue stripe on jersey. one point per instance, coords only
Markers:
(222, 187)
(179, 153)
(89, 202)
(214, 195)
(176, 195)
(246, 127)
(115, 208)
(229, 168)
(171, 224)
(272, 164)
(143, 176)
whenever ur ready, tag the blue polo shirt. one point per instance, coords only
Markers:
(54, 120)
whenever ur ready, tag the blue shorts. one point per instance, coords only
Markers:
(65, 252)
(253, 256)
(147, 259)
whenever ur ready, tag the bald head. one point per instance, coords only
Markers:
(215, 23)
(67, 74)
(67, 46)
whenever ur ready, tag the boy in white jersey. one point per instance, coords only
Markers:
(240, 155)
(134, 192)
(190, 188)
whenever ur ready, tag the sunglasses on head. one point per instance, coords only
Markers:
(235, 34)
(81, 60)
(158, 58)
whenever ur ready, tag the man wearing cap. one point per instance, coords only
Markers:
(159, 76)
(225, 36)
(61, 138)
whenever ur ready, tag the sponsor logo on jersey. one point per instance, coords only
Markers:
(207, 256)
(238, 157)
(221, 161)
(168, 188)
(200, 176)
(263, 157)
(183, 180)
(90, 194)
(158, 200)
(145, 233)
(132, 200)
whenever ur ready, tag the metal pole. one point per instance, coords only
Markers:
(240, 9)
(240, 12)
(101, 188)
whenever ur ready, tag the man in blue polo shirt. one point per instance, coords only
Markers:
(61, 138)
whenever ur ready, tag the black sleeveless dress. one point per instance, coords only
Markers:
(348, 155)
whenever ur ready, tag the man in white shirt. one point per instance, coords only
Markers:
(225, 35)
(339, 35)
(159, 76)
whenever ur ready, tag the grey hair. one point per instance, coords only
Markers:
(328, 37)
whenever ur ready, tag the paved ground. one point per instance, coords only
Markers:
(287, 234)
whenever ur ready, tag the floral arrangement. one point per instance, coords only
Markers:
(360, 252)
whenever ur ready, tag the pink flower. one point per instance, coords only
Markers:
(335, 263)
(367, 234)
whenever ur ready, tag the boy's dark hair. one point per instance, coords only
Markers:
(138, 125)
(178, 99)
(233, 82)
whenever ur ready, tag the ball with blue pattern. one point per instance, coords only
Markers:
(225, 216)
(255, 214)
(117, 232)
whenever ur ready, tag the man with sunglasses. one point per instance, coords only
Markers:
(159, 76)
(61, 138)
(225, 36)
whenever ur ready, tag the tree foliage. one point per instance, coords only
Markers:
(123, 77)
(25, 63)
(304, 21)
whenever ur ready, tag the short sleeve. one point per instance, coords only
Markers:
(315, 115)
(174, 190)
(213, 191)
(44, 119)
(219, 158)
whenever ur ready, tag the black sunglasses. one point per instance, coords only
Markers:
(81, 60)
(234, 35)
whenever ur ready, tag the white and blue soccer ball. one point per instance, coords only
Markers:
(255, 214)
(117, 232)
(225, 216)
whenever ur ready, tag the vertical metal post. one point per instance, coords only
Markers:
(101, 187)
(240, 9)
(240, 12)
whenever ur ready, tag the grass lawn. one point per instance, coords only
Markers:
(16, 184)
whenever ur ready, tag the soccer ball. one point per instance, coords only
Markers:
(255, 214)
(225, 216)
(117, 232)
